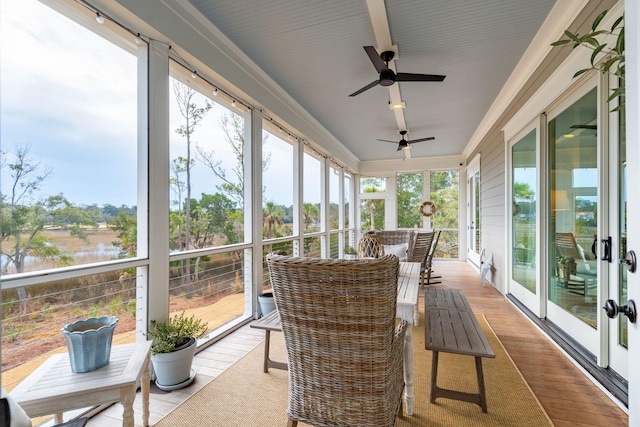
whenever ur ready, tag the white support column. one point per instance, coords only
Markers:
(153, 184)
(632, 81)
(342, 240)
(324, 206)
(298, 198)
(253, 195)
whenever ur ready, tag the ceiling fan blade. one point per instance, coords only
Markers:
(375, 58)
(386, 140)
(412, 77)
(367, 87)
(431, 138)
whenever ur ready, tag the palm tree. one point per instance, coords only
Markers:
(311, 214)
(272, 215)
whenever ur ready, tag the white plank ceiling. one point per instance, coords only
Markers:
(314, 50)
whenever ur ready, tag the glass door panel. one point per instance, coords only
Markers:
(473, 212)
(524, 221)
(573, 215)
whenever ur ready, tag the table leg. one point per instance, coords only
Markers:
(416, 315)
(408, 371)
(57, 418)
(127, 396)
(146, 385)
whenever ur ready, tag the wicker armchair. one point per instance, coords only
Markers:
(344, 350)
(386, 237)
(396, 237)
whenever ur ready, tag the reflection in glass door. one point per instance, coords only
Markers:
(524, 176)
(573, 216)
(473, 211)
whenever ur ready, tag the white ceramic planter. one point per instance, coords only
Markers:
(267, 304)
(175, 367)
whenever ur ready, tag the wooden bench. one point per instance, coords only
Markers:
(269, 323)
(451, 327)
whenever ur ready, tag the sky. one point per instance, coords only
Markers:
(70, 96)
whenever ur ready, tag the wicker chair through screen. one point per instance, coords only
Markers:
(344, 350)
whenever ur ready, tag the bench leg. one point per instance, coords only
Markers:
(434, 377)
(481, 389)
(268, 363)
(267, 339)
(479, 399)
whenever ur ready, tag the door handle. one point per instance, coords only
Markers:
(630, 261)
(613, 309)
(607, 249)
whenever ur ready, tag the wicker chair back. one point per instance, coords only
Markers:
(344, 350)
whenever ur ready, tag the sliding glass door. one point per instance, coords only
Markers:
(573, 263)
(524, 283)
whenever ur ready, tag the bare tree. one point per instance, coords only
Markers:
(24, 217)
(192, 115)
(233, 183)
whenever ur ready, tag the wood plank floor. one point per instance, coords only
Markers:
(567, 395)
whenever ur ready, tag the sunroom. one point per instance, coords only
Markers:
(154, 152)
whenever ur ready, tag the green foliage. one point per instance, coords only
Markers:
(410, 190)
(564, 260)
(24, 219)
(372, 210)
(444, 194)
(272, 218)
(608, 54)
(311, 214)
(176, 331)
(126, 228)
(350, 250)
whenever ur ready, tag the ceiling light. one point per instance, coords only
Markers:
(569, 135)
(194, 75)
(138, 39)
(215, 92)
(233, 103)
(99, 18)
(397, 106)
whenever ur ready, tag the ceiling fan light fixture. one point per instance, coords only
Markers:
(403, 145)
(399, 106)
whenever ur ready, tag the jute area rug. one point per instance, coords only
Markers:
(245, 396)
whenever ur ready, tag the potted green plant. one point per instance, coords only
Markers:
(567, 266)
(608, 54)
(350, 252)
(173, 346)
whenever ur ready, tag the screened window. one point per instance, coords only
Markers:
(277, 182)
(409, 196)
(348, 180)
(334, 197)
(311, 191)
(444, 194)
(206, 166)
(68, 110)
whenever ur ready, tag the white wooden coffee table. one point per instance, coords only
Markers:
(53, 388)
(407, 309)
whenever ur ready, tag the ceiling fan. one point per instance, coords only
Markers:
(403, 144)
(388, 76)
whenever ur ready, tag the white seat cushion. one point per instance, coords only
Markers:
(399, 250)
